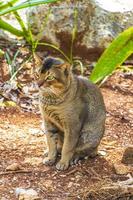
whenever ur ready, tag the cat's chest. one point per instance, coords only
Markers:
(50, 111)
(52, 114)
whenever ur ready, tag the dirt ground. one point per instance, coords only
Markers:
(22, 142)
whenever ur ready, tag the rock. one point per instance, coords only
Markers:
(3, 198)
(70, 184)
(48, 184)
(121, 169)
(128, 155)
(102, 152)
(27, 194)
(98, 23)
(33, 161)
(14, 167)
(36, 132)
(4, 36)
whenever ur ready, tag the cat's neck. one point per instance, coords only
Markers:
(50, 99)
(67, 94)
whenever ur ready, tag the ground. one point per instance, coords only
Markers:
(22, 142)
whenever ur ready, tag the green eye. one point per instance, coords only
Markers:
(50, 78)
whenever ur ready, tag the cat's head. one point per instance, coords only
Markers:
(53, 75)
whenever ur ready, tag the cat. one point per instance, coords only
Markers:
(73, 113)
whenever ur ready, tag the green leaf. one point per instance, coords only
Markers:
(22, 25)
(1, 53)
(28, 3)
(118, 51)
(6, 5)
(5, 26)
(8, 104)
(20, 21)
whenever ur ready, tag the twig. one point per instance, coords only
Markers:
(124, 187)
(95, 173)
(128, 181)
(72, 171)
(14, 172)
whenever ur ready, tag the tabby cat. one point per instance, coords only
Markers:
(73, 113)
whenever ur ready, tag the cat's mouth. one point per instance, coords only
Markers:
(42, 83)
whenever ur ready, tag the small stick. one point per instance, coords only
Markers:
(14, 172)
(72, 171)
(94, 172)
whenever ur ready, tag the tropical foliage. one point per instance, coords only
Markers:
(117, 52)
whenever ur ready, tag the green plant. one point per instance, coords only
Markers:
(11, 61)
(25, 31)
(74, 32)
(29, 3)
(11, 6)
(117, 52)
(1, 53)
(4, 5)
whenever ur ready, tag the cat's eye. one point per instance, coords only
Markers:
(50, 78)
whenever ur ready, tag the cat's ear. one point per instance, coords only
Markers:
(66, 68)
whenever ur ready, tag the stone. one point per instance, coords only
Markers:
(4, 36)
(14, 167)
(4, 198)
(48, 184)
(35, 132)
(34, 161)
(27, 194)
(102, 152)
(128, 155)
(70, 184)
(121, 169)
(98, 23)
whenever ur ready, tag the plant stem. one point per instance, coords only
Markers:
(21, 23)
(74, 31)
(56, 48)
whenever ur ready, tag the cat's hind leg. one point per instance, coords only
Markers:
(89, 141)
(81, 154)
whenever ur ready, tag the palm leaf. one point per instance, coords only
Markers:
(118, 51)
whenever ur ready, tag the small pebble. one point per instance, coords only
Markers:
(14, 167)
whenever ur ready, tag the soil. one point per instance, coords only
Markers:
(22, 142)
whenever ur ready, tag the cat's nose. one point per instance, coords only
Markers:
(40, 83)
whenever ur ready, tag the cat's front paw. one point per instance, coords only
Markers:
(48, 161)
(62, 165)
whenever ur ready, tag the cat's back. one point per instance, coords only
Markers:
(88, 87)
(91, 94)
